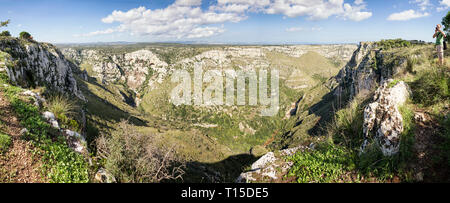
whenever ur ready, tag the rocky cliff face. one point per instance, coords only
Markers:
(133, 68)
(32, 64)
(143, 68)
(367, 69)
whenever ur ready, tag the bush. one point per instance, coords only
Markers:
(25, 35)
(5, 141)
(4, 23)
(62, 107)
(135, 157)
(5, 34)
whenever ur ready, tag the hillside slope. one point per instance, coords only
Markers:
(385, 119)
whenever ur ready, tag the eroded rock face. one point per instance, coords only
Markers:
(368, 67)
(134, 68)
(383, 119)
(33, 64)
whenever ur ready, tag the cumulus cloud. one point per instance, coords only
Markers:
(320, 9)
(183, 19)
(186, 18)
(407, 15)
(444, 5)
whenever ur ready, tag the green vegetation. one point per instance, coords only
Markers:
(4, 23)
(431, 86)
(5, 142)
(337, 159)
(61, 164)
(446, 24)
(5, 34)
(25, 35)
(326, 164)
(393, 43)
(64, 110)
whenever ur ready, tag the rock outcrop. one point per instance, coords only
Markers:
(270, 167)
(383, 118)
(29, 63)
(369, 67)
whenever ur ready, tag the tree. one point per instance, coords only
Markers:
(4, 23)
(25, 35)
(446, 24)
(5, 34)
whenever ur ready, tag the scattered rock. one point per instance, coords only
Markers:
(50, 117)
(103, 176)
(23, 132)
(270, 166)
(38, 100)
(245, 128)
(75, 141)
(420, 117)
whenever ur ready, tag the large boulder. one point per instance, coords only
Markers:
(383, 118)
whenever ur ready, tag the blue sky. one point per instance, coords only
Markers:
(223, 21)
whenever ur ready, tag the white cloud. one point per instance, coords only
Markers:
(186, 18)
(355, 13)
(423, 4)
(445, 5)
(183, 19)
(320, 9)
(407, 15)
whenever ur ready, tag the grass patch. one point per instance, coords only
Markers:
(431, 87)
(5, 142)
(328, 163)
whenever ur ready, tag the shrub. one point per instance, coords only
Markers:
(62, 107)
(25, 35)
(135, 157)
(4, 23)
(393, 43)
(5, 141)
(411, 63)
(5, 34)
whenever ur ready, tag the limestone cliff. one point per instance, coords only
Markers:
(29, 63)
(133, 68)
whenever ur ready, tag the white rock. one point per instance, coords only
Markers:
(383, 113)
